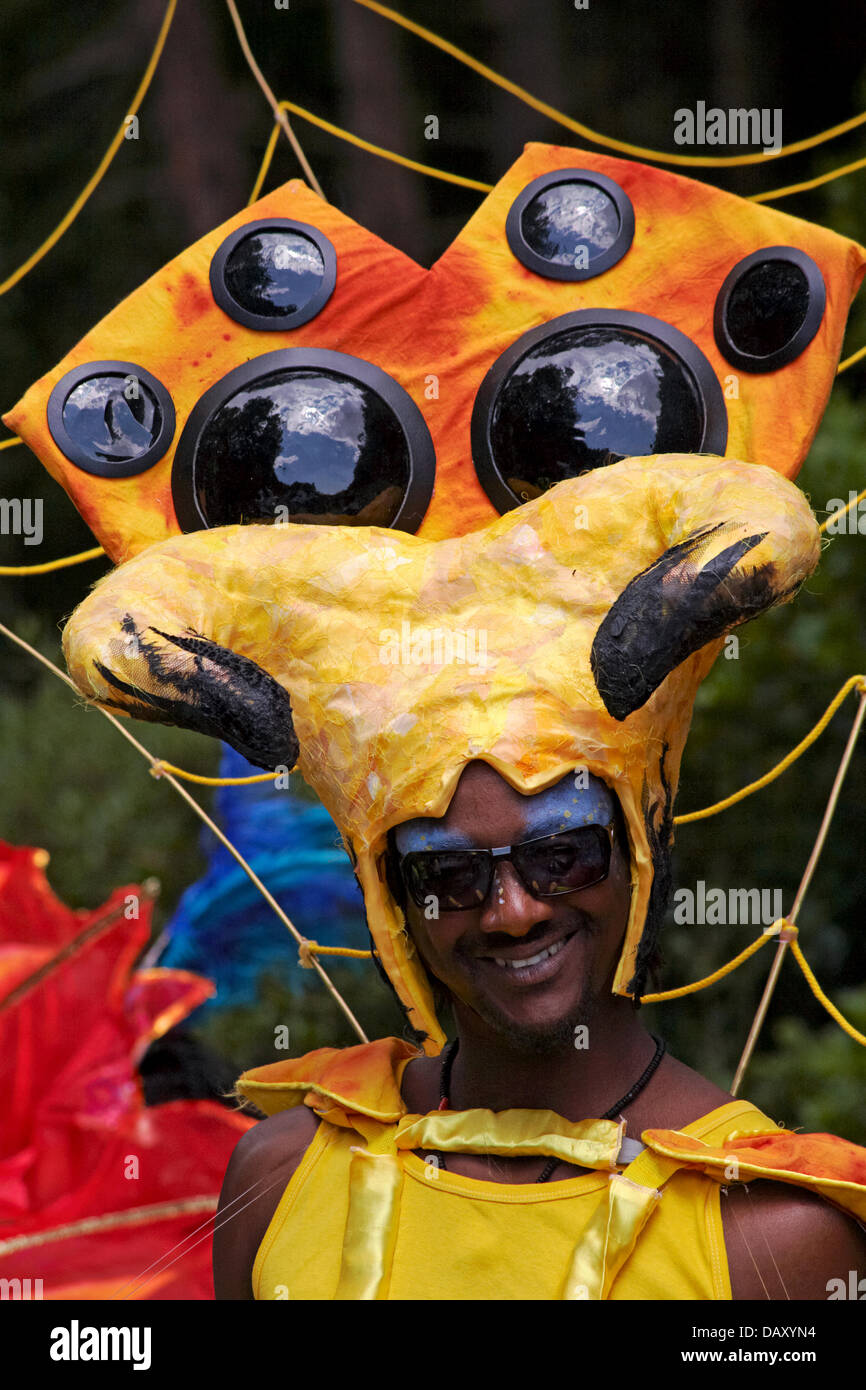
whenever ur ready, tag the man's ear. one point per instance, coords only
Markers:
(693, 594)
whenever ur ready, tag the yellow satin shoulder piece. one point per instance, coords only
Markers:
(827, 1164)
(514, 1134)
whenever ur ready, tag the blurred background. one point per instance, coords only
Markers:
(71, 785)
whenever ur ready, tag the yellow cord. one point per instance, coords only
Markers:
(50, 565)
(822, 998)
(783, 930)
(447, 177)
(85, 555)
(854, 682)
(849, 361)
(719, 161)
(10, 443)
(842, 510)
(709, 979)
(308, 949)
(362, 144)
(85, 193)
(808, 183)
(159, 768)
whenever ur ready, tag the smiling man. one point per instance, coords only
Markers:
(511, 830)
(523, 944)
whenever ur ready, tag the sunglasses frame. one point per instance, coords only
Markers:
(504, 852)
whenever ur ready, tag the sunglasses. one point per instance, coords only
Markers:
(460, 879)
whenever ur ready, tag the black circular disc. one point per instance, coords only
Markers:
(111, 419)
(585, 390)
(304, 435)
(274, 274)
(769, 308)
(572, 224)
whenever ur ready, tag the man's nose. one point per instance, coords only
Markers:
(508, 906)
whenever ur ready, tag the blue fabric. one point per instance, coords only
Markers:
(224, 929)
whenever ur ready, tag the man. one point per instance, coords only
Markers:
(549, 1163)
(516, 1031)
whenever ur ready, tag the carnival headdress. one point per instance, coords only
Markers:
(592, 309)
(587, 618)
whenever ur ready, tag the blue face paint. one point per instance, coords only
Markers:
(579, 799)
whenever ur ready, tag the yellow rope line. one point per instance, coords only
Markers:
(49, 565)
(842, 510)
(265, 164)
(362, 144)
(783, 930)
(719, 161)
(160, 768)
(312, 948)
(716, 975)
(85, 193)
(10, 443)
(822, 998)
(342, 134)
(808, 183)
(854, 682)
(849, 361)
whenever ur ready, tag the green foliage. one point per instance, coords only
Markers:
(249, 1033)
(815, 1078)
(74, 786)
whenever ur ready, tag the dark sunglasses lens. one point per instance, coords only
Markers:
(565, 863)
(458, 881)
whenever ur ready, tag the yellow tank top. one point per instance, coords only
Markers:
(460, 1238)
(364, 1218)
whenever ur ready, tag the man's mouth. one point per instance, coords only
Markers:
(529, 969)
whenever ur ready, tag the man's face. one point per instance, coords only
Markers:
(541, 1004)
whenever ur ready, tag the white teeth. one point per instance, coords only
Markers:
(533, 960)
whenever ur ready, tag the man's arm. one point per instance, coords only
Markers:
(259, 1171)
(786, 1242)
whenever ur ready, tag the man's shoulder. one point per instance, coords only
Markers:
(275, 1145)
(261, 1166)
(784, 1242)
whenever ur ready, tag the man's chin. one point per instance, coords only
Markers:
(537, 1039)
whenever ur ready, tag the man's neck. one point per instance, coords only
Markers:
(491, 1073)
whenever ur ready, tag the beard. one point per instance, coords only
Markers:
(543, 1040)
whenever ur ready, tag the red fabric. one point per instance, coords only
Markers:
(77, 1140)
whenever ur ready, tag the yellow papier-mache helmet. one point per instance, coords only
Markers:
(592, 309)
(587, 619)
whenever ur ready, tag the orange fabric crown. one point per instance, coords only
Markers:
(437, 332)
